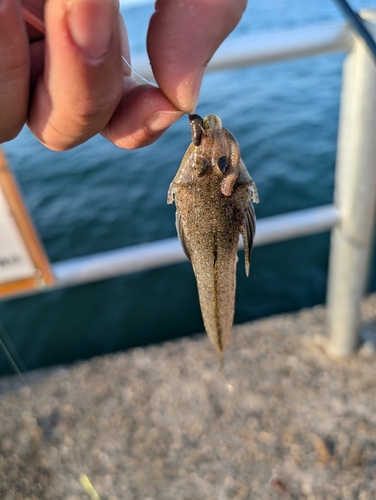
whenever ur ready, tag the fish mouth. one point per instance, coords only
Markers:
(211, 123)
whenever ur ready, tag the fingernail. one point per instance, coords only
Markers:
(161, 120)
(90, 24)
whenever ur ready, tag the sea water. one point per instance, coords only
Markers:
(98, 197)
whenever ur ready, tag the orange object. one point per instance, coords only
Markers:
(33, 20)
(43, 274)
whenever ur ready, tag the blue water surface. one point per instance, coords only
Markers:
(98, 197)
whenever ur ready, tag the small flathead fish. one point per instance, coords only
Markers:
(213, 194)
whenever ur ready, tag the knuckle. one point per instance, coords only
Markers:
(97, 108)
(13, 69)
(87, 117)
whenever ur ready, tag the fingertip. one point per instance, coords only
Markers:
(160, 120)
(142, 116)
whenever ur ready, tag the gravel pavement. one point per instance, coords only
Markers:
(282, 421)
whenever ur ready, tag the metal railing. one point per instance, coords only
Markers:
(355, 195)
(165, 252)
(352, 215)
(274, 47)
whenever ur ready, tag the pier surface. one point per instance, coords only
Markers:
(282, 421)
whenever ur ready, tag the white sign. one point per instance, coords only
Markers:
(15, 261)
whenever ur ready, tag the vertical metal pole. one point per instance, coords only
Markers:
(355, 196)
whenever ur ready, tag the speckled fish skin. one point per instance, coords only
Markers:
(213, 194)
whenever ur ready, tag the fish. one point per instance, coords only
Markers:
(214, 194)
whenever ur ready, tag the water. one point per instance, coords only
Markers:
(98, 197)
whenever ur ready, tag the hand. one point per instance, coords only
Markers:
(69, 84)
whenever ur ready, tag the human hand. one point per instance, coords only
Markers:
(71, 83)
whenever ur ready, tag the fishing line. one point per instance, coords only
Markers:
(138, 74)
(357, 24)
(38, 24)
(20, 367)
(17, 366)
(13, 364)
(33, 20)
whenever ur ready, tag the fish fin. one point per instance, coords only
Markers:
(248, 234)
(180, 230)
(170, 194)
(245, 178)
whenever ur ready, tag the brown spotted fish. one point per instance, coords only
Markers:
(213, 194)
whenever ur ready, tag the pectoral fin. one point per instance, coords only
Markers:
(248, 234)
(180, 231)
(245, 178)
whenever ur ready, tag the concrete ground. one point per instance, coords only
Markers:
(282, 421)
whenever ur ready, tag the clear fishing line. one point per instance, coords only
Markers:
(138, 74)
(38, 24)
(19, 367)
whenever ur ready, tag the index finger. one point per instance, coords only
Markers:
(182, 39)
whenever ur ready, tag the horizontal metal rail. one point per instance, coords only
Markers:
(263, 49)
(166, 252)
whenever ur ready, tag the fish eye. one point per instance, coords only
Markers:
(201, 165)
(222, 164)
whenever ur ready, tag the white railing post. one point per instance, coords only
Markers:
(355, 196)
